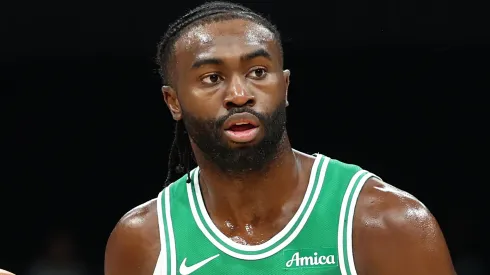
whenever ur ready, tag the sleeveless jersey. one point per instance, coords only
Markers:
(317, 240)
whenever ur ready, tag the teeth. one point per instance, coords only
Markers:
(241, 123)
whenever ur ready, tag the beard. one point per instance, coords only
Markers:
(208, 136)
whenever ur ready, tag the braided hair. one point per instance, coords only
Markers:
(181, 157)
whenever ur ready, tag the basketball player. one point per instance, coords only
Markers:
(254, 205)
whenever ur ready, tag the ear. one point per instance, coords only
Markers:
(287, 74)
(170, 97)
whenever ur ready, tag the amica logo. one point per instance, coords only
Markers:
(303, 261)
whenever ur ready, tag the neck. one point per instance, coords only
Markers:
(254, 197)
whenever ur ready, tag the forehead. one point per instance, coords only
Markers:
(230, 36)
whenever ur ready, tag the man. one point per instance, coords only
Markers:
(254, 205)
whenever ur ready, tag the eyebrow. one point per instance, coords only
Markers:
(246, 57)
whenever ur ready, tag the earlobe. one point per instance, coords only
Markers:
(287, 77)
(170, 97)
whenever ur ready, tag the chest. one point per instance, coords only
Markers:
(308, 244)
(316, 240)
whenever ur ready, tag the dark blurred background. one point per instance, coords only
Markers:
(398, 87)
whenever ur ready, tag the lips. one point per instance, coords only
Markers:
(242, 127)
(241, 119)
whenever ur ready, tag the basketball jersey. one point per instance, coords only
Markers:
(317, 240)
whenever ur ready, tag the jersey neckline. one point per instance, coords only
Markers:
(276, 243)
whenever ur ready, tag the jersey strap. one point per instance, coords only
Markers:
(168, 258)
(346, 220)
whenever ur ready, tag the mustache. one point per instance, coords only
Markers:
(221, 120)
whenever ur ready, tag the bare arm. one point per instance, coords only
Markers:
(396, 234)
(134, 245)
(5, 272)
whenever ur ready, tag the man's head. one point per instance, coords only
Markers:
(222, 67)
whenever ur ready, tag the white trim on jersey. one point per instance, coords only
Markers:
(351, 203)
(274, 240)
(170, 230)
(350, 222)
(158, 266)
(162, 258)
(343, 210)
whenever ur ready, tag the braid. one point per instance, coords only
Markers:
(180, 155)
(181, 152)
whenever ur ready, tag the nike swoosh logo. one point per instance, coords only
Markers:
(186, 270)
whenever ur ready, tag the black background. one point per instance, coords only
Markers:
(397, 87)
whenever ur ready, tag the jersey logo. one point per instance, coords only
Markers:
(186, 270)
(308, 258)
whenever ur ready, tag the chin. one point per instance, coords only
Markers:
(241, 144)
(237, 145)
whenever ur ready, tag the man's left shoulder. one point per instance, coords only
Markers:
(381, 205)
(394, 232)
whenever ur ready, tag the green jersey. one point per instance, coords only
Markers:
(317, 240)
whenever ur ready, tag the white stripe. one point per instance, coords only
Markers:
(163, 245)
(201, 226)
(277, 248)
(340, 233)
(274, 239)
(170, 230)
(158, 268)
(350, 222)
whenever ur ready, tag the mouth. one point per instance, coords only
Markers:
(242, 128)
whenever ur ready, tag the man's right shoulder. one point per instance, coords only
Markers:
(134, 245)
(141, 218)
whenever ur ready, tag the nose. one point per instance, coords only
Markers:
(238, 95)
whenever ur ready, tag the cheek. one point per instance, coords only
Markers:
(269, 95)
(202, 104)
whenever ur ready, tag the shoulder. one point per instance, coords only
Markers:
(134, 245)
(138, 222)
(5, 272)
(394, 231)
(383, 204)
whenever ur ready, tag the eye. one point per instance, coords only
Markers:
(258, 73)
(211, 79)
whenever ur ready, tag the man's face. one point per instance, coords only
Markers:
(232, 93)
